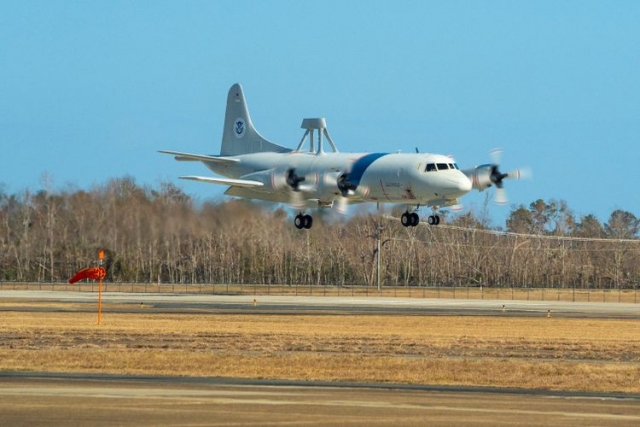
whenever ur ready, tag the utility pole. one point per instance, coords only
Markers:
(379, 243)
(378, 232)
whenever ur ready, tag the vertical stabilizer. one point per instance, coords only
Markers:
(239, 136)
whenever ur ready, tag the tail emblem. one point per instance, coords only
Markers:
(239, 128)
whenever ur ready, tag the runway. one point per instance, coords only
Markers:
(39, 400)
(261, 304)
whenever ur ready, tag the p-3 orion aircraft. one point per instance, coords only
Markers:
(308, 178)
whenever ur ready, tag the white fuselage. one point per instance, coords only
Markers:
(412, 179)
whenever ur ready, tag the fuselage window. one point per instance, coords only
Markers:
(443, 166)
(431, 167)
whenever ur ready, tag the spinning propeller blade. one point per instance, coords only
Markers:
(341, 204)
(498, 177)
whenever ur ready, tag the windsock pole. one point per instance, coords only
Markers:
(93, 273)
(100, 259)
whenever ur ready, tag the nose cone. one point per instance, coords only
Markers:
(459, 184)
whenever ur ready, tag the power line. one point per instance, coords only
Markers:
(523, 235)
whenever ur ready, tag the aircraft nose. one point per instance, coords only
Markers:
(464, 183)
(460, 183)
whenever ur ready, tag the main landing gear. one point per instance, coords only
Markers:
(411, 219)
(303, 221)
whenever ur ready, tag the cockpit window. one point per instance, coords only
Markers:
(432, 167)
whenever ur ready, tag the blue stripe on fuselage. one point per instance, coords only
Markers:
(361, 165)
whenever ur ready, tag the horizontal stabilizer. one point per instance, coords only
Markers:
(199, 157)
(246, 183)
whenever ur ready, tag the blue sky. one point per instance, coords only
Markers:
(90, 90)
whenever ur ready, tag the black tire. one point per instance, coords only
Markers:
(437, 220)
(431, 220)
(299, 222)
(405, 219)
(308, 221)
(415, 219)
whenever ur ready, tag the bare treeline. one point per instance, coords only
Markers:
(162, 235)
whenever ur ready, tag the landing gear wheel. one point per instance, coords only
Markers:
(308, 221)
(415, 219)
(410, 219)
(406, 219)
(433, 220)
(303, 221)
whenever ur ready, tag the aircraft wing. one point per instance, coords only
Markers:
(188, 157)
(245, 183)
(251, 193)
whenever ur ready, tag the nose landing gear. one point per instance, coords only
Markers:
(433, 220)
(303, 221)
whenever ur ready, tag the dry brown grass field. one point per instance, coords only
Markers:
(500, 351)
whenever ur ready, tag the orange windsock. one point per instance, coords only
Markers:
(93, 273)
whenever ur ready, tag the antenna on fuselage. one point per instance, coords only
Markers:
(316, 124)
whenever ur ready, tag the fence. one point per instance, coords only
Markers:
(449, 292)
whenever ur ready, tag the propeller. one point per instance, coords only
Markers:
(496, 155)
(346, 188)
(339, 180)
(341, 204)
(497, 178)
(293, 180)
(484, 176)
(344, 185)
(289, 179)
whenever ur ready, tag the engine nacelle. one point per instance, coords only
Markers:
(481, 176)
(277, 179)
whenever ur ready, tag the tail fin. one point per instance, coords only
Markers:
(239, 136)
